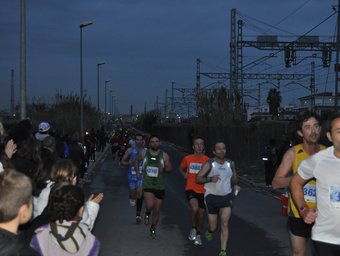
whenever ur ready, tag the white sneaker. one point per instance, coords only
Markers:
(192, 235)
(198, 240)
(132, 202)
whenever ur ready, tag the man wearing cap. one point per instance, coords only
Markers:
(43, 132)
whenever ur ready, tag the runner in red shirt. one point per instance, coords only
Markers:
(190, 166)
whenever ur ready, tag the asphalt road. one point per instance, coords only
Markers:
(256, 226)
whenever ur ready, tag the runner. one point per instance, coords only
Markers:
(135, 184)
(324, 166)
(155, 163)
(219, 177)
(190, 166)
(309, 130)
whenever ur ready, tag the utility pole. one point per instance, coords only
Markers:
(166, 103)
(337, 69)
(172, 100)
(22, 59)
(12, 91)
(312, 86)
(233, 51)
(259, 98)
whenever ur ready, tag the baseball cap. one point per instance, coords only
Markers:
(44, 127)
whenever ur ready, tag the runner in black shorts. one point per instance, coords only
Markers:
(215, 203)
(298, 227)
(158, 193)
(190, 166)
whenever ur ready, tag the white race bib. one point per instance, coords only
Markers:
(133, 170)
(152, 171)
(194, 168)
(335, 196)
(309, 192)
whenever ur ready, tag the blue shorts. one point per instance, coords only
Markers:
(134, 182)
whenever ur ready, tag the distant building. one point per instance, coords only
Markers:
(321, 103)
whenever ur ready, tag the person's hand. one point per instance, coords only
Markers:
(96, 199)
(215, 178)
(10, 148)
(237, 189)
(310, 215)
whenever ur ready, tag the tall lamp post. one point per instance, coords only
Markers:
(106, 81)
(110, 101)
(98, 64)
(81, 26)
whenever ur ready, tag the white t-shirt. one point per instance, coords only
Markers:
(325, 167)
(223, 186)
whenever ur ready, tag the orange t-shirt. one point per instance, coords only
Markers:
(193, 165)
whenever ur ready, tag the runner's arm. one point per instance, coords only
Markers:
(296, 188)
(140, 157)
(183, 169)
(125, 158)
(167, 163)
(280, 179)
(201, 176)
(234, 177)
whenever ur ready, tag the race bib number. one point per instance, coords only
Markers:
(195, 168)
(152, 171)
(335, 196)
(309, 192)
(133, 170)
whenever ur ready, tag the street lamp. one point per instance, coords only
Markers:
(98, 64)
(110, 100)
(81, 26)
(106, 81)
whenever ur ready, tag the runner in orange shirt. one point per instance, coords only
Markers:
(190, 166)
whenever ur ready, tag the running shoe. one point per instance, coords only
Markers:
(208, 235)
(222, 253)
(132, 202)
(146, 219)
(192, 235)
(138, 219)
(198, 240)
(152, 233)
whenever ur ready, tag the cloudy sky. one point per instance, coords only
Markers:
(147, 44)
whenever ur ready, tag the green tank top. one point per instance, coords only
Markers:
(152, 177)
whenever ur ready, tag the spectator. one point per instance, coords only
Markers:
(27, 159)
(102, 139)
(269, 158)
(65, 171)
(65, 234)
(15, 209)
(43, 132)
(76, 154)
(7, 154)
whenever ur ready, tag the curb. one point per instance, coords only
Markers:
(261, 188)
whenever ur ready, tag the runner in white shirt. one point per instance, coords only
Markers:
(219, 178)
(325, 167)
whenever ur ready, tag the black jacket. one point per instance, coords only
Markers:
(14, 245)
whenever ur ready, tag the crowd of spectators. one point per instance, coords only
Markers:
(43, 210)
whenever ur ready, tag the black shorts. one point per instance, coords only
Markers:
(325, 249)
(215, 203)
(298, 227)
(199, 196)
(158, 193)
